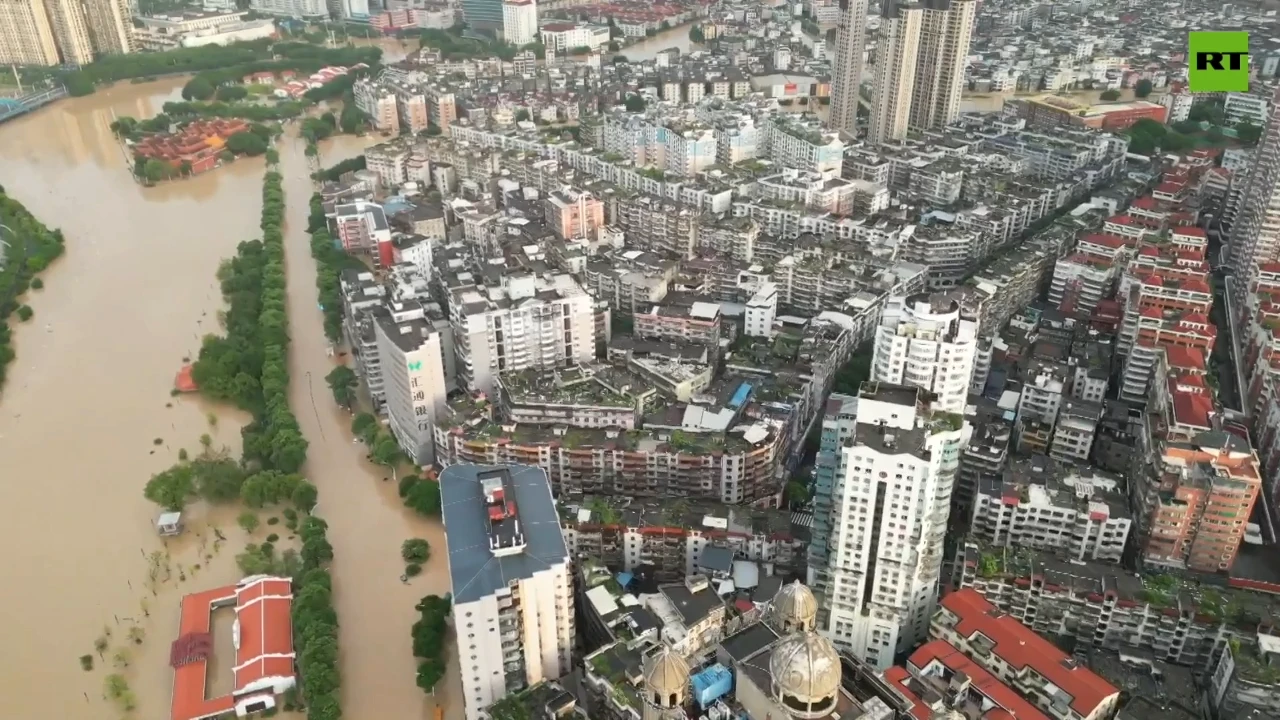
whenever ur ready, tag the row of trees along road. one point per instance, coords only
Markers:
(27, 247)
(216, 64)
(248, 367)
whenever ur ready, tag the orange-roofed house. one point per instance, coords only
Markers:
(262, 635)
(1131, 226)
(1054, 683)
(1195, 491)
(198, 143)
(938, 673)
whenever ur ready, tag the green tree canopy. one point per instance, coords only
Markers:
(197, 88)
(1142, 88)
(424, 498)
(246, 143)
(172, 488)
(1248, 134)
(342, 381)
(365, 427)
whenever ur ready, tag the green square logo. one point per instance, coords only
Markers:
(1218, 61)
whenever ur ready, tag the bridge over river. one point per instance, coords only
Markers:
(11, 108)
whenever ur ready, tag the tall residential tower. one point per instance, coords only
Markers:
(895, 76)
(846, 81)
(946, 28)
(110, 26)
(889, 518)
(1255, 235)
(26, 36)
(928, 341)
(71, 30)
(512, 595)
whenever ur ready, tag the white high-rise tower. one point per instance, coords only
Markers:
(928, 341)
(509, 569)
(889, 518)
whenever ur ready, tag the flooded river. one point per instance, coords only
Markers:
(646, 49)
(125, 305)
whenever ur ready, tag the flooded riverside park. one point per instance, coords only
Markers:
(127, 305)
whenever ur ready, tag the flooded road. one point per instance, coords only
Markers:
(367, 520)
(87, 417)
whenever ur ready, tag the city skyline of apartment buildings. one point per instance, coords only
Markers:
(895, 78)
(919, 66)
(66, 32)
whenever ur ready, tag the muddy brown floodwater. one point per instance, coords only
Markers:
(86, 418)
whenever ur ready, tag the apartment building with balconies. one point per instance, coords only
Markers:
(1195, 499)
(1056, 684)
(1070, 510)
(670, 537)
(512, 592)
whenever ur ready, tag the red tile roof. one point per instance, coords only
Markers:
(1022, 648)
(1184, 358)
(926, 661)
(1191, 408)
(1189, 231)
(189, 701)
(262, 606)
(266, 638)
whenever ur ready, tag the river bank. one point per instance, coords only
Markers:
(89, 397)
(648, 48)
(91, 385)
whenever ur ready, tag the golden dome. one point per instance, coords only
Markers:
(806, 674)
(666, 674)
(795, 609)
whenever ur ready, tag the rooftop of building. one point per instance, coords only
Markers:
(689, 515)
(990, 631)
(1140, 675)
(1043, 481)
(1211, 599)
(939, 674)
(580, 385)
(481, 557)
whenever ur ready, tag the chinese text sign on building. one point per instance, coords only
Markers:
(1218, 62)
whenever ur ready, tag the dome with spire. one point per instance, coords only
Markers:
(666, 679)
(806, 675)
(795, 609)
